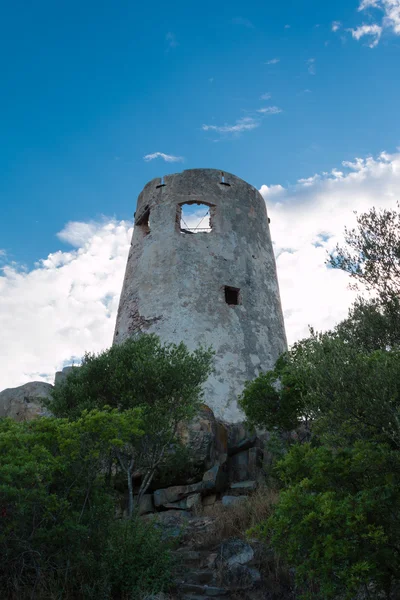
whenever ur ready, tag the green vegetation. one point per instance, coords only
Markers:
(164, 380)
(337, 518)
(59, 536)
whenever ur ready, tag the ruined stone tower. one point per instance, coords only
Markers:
(201, 270)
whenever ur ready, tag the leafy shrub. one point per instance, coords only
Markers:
(336, 521)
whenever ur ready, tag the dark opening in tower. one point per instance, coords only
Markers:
(232, 295)
(194, 217)
(143, 220)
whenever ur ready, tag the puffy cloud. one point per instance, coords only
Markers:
(68, 302)
(307, 220)
(65, 305)
(273, 61)
(336, 25)
(390, 11)
(375, 31)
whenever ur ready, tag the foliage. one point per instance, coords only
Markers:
(337, 520)
(273, 399)
(164, 380)
(372, 325)
(136, 560)
(371, 255)
(56, 507)
(140, 372)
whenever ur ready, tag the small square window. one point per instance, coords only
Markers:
(232, 296)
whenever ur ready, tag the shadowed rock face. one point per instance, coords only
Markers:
(23, 403)
(216, 288)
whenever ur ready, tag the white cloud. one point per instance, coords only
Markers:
(311, 66)
(243, 124)
(65, 305)
(273, 61)
(68, 302)
(266, 96)
(307, 220)
(166, 157)
(270, 110)
(336, 25)
(375, 31)
(76, 233)
(389, 11)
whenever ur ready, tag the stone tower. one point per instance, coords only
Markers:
(209, 281)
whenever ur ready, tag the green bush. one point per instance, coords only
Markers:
(336, 521)
(58, 535)
(136, 560)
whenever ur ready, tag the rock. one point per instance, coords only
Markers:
(61, 375)
(232, 500)
(215, 479)
(234, 551)
(233, 558)
(191, 502)
(24, 403)
(239, 577)
(240, 438)
(205, 437)
(203, 590)
(245, 465)
(146, 504)
(175, 493)
(243, 487)
(209, 500)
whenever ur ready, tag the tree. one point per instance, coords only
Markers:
(371, 255)
(274, 399)
(164, 380)
(55, 506)
(58, 535)
(337, 522)
(372, 324)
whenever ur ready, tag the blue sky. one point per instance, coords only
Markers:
(90, 88)
(301, 99)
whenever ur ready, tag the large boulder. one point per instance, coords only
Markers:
(206, 438)
(234, 557)
(176, 493)
(24, 403)
(246, 465)
(240, 438)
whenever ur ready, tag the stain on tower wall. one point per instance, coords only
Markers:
(175, 282)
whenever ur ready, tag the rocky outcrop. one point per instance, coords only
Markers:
(24, 403)
(206, 438)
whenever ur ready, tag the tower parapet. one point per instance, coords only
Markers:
(201, 270)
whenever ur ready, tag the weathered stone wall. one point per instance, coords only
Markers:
(175, 282)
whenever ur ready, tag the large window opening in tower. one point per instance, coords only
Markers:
(195, 217)
(232, 295)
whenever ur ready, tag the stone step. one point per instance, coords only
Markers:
(202, 597)
(203, 590)
(196, 576)
(239, 488)
(195, 558)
